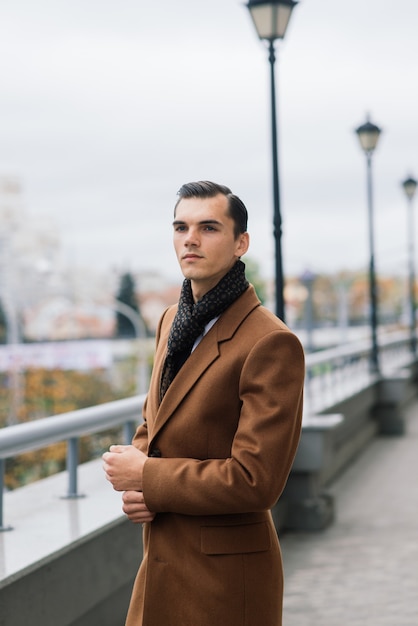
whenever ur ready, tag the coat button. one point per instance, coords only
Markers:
(155, 452)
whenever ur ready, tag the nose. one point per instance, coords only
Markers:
(192, 237)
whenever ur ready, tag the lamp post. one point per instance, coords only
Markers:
(368, 135)
(270, 21)
(409, 185)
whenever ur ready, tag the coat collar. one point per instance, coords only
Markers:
(200, 359)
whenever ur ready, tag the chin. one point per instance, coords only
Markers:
(190, 272)
(187, 272)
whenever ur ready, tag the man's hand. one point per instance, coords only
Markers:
(135, 508)
(123, 466)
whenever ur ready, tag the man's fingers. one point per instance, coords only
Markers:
(117, 448)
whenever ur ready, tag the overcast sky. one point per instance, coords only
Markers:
(107, 107)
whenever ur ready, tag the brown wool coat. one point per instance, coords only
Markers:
(227, 432)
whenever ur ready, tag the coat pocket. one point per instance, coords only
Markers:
(238, 539)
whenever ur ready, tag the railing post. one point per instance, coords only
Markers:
(128, 432)
(2, 472)
(72, 466)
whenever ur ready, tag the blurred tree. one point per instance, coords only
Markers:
(52, 392)
(252, 271)
(325, 299)
(126, 295)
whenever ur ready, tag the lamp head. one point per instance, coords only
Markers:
(271, 18)
(409, 185)
(368, 135)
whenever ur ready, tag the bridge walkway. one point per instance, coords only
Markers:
(363, 569)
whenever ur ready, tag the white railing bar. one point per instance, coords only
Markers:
(40, 433)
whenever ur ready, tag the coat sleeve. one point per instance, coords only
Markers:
(263, 448)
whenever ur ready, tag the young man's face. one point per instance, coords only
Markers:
(204, 241)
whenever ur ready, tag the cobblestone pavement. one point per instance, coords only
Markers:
(362, 570)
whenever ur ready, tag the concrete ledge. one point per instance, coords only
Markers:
(87, 583)
(308, 506)
(67, 562)
(315, 446)
(393, 394)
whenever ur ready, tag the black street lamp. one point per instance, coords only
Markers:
(271, 20)
(409, 185)
(368, 135)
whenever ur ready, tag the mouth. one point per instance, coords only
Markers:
(190, 257)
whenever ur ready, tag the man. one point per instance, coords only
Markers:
(221, 426)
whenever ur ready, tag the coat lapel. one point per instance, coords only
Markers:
(201, 358)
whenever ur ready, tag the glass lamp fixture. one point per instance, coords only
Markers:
(271, 18)
(409, 185)
(368, 135)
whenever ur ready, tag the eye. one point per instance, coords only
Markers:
(179, 228)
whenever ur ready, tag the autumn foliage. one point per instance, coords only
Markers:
(43, 393)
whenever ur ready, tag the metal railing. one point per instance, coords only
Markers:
(331, 375)
(334, 374)
(19, 438)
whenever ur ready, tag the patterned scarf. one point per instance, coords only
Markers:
(191, 319)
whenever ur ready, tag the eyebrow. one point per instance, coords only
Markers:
(202, 222)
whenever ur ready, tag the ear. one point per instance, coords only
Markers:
(243, 243)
